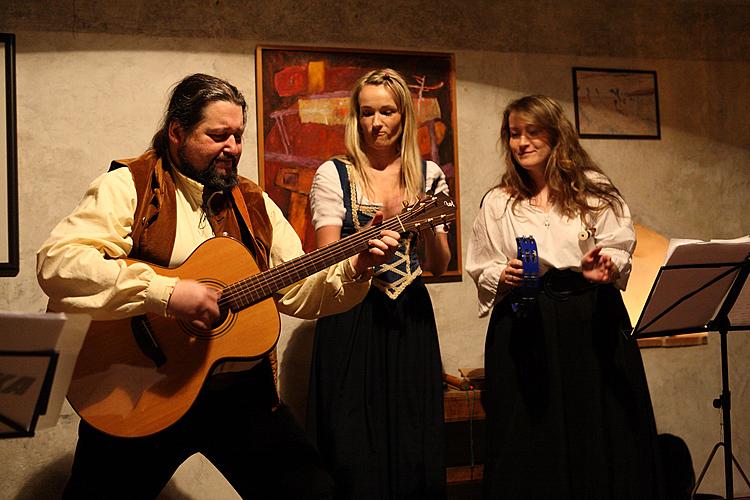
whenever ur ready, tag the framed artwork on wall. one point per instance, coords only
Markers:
(8, 165)
(303, 98)
(616, 103)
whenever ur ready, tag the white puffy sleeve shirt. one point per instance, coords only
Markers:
(493, 242)
(327, 197)
(81, 267)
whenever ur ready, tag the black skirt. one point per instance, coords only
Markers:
(568, 410)
(375, 408)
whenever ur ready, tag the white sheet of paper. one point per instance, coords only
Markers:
(694, 313)
(674, 243)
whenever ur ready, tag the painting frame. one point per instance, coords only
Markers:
(9, 260)
(616, 103)
(293, 141)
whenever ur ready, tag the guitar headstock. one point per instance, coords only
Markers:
(427, 213)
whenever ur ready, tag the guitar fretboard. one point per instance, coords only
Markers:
(264, 284)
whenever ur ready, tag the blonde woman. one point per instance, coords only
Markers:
(376, 403)
(568, 409)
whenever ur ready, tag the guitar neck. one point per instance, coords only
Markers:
(264, 284)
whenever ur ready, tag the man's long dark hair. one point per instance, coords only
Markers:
(188, 100)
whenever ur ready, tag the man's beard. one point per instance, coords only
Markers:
(209, 177)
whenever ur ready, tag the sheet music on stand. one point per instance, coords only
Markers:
(703, 287)
(38, 352)
(740, 314)
(691, 287)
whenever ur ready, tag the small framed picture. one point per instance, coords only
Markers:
(616, 103)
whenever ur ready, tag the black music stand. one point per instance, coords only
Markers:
(697, 290)
(27, 385)
(38, 352)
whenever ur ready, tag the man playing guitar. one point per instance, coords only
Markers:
(109, 259)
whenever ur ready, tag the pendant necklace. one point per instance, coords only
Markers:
(534, 202)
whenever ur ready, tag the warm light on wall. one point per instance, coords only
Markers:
(647, 259)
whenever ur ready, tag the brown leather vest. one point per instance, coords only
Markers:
(155, 226)
(155, 218)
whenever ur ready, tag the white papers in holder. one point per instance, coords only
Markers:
(38, 352)
(692, 285)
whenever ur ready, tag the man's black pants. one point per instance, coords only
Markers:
(235, 423)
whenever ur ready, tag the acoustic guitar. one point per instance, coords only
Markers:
(137, 376)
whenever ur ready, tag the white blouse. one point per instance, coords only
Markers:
(327, 197)
(73, 270)
(493, 242)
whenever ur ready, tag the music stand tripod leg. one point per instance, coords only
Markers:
(724, 402)
(705, 468)
(742, 472)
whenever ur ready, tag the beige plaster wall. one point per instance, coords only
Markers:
(86, 98)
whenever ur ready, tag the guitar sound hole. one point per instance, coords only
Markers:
(218, 328)
(223, 314)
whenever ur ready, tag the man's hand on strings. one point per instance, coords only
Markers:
(195, 303)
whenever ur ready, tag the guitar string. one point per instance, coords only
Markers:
(245, 286)
(267, 282)
(317, 259)
(345, 250)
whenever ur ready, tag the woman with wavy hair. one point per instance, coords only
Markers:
(568, 409)
(376, 403)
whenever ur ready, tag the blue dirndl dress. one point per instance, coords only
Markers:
(375, 407)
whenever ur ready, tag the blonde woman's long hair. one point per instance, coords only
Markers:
(412, 180)
(571, 189)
